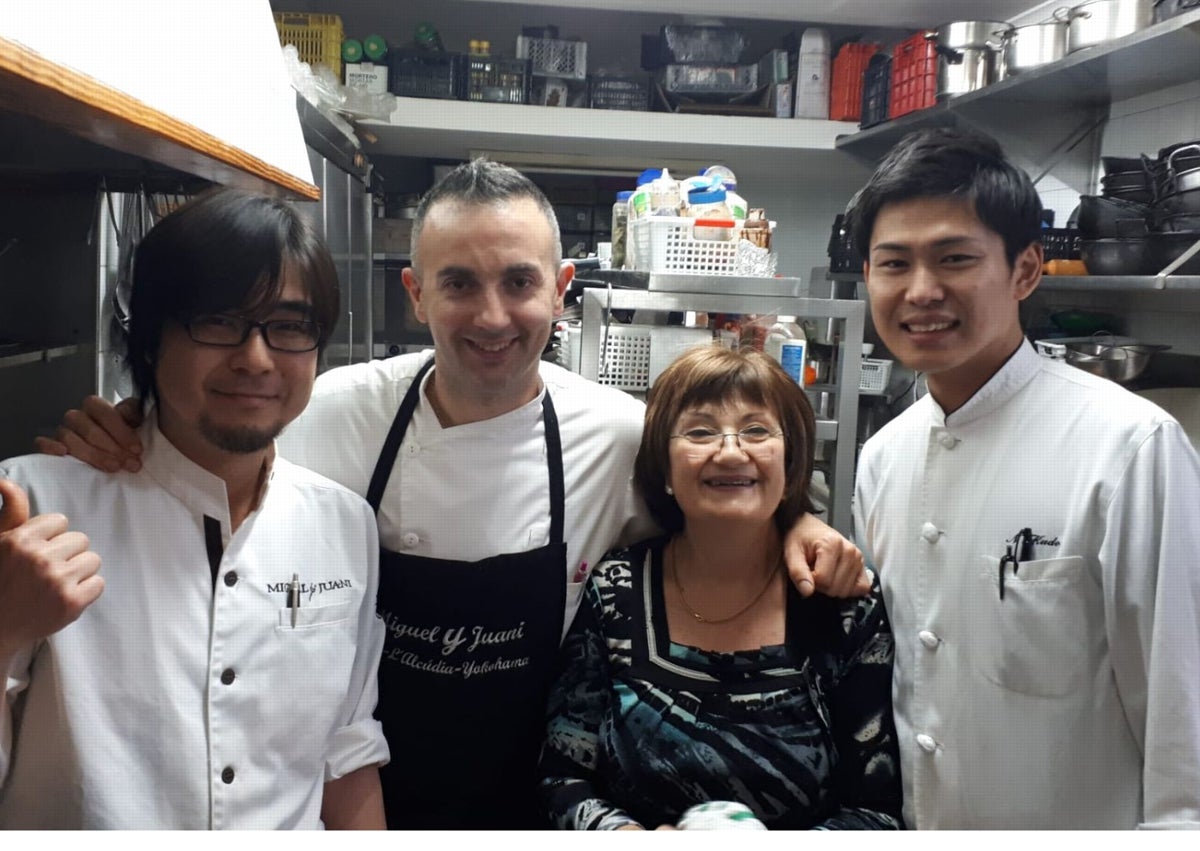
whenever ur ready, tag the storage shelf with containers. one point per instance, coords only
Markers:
(1149, 59)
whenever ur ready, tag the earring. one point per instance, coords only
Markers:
(670, 490)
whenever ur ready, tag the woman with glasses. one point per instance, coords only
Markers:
(694, 671)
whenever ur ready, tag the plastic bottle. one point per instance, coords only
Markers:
(639, 201)
(812, 75)
(787, 343)
(620, 223)
(664, 195)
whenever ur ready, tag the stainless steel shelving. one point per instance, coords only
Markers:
(30, 353)
(1163, 55)
(757, 296)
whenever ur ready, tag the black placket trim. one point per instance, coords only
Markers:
(212, 543)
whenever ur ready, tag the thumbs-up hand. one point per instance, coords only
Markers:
(48, 576)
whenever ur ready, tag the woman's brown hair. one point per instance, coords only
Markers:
(715, 375)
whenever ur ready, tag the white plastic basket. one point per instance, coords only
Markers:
(625, 360)
(666, 244)
(873, 380)
(554, 57)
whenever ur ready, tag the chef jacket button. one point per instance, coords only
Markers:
(929, 532)
(231, 578)
(929, 639)
(924, 742)
(228, 676)
(410, 539)
(412, 449)
(227, 775)
(948, 440)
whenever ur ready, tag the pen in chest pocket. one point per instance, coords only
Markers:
(294, 597)
(1023, 541)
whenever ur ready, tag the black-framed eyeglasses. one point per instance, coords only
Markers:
(226, 329)
(754, 435)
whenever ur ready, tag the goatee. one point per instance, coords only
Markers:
(241, 440)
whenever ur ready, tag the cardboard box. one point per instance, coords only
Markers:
(391, 236)
(366, 75)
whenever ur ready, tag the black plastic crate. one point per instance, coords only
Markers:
(877, 86)
(425, 75)
(495, 79)
(621, 91)
(1060, 243)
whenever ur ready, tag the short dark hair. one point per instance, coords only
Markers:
(225, 250)
(715, 375)
(484, 181)
(947, 162)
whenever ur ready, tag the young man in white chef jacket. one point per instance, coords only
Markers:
(195, 645)
(1034, 528)
(481, 580)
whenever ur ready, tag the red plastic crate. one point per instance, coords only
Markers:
(914, 75)
(846, 87)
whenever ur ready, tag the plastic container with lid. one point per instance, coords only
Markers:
(620, 225)
(737, 204)
(708, 203)
(714, 230)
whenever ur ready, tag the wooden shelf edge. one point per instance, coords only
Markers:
(32, 85)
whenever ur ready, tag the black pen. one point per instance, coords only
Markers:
(1025, 546)
(1008, 559)
(294, 597)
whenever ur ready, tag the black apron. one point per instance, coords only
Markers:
(470, 653)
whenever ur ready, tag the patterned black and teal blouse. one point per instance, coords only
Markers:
(641, 728)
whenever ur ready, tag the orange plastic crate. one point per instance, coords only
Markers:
(914, 75)
(846, 86)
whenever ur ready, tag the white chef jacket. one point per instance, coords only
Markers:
(481, 489)
(180, 700)
(1075, 701)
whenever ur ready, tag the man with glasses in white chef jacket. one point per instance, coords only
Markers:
(1034, 528)
(218, 670)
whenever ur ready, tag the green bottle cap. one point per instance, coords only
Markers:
(352, 50)
(375, 47)
(427, 36)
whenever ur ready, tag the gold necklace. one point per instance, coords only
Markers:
(699, 617)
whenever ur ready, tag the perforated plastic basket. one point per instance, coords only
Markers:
(554, 57)
(666, 244)
(626, 357)
(317, 37)
(873, 379)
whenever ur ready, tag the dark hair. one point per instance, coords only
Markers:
(716, 375)
(484, 181)
(225, 250)
(944, 161)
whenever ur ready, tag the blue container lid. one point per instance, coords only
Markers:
(706, 196)
(648, 175)
(624, 195)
